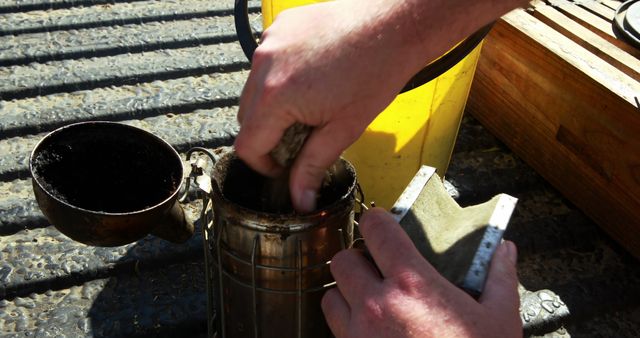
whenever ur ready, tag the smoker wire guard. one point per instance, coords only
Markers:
(212, 243)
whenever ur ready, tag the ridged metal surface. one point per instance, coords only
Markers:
(72, 75)
(213, 127)
(43, 258)
(110, 14)
(113, 40)
(43, 112)
(12, 6)
(175, 69)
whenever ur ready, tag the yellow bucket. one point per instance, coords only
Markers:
(419, 127)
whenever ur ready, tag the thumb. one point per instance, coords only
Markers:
(501, 290)
(321, 149)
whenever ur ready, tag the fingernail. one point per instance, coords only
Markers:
(510, 251)
(307, 201)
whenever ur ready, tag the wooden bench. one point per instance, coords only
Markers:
(556, 85)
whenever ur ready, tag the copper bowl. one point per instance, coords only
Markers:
(108, 184)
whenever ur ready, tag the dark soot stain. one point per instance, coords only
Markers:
(114, 171)
(245, 187)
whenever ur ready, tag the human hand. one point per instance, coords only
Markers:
(411, 299)
(316, 76)
(334, 66)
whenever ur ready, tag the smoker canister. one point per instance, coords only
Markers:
(267, 272)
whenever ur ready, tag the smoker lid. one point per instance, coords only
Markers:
(627, 22)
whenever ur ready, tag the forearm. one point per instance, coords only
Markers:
(410, 29)
(335, 66)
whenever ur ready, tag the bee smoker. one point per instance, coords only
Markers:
(266, 272)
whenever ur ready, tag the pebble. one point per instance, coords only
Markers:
(21, 324)
(84, 325)
(25, 302)
(5, 272)
(66, 267)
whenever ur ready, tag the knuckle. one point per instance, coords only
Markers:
(271, 88)
(261, 56)
(309, 171)
(271, 92)
(373, 310)
(341, 259)
(374, 221)
(410, 282)
(312, 169)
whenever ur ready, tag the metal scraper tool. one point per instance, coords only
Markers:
(458, 242)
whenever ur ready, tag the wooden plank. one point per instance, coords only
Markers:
(611, 3)
(593, 22)
(594, 67)
(597, 8)
(534, 90)
(594, 43)
(584, 17)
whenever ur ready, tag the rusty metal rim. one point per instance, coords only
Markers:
(119, 125)
(252, 218)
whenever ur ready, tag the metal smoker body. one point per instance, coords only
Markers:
(267, 273)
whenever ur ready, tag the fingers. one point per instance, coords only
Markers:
(336, 312)
(260, 133)
(391, 248)
(501, 290)
(320, 151)
(355, 275)
(253, 144)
